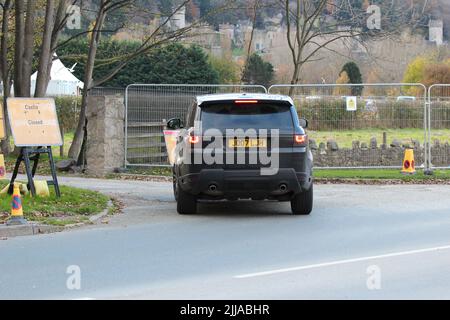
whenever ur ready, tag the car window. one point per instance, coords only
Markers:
(246, 116)
(190, 117)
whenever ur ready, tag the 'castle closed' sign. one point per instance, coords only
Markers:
(34, 122)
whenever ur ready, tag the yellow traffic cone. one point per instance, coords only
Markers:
(16, 208)
(409, 166)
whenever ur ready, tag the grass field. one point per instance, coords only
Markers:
(68, 138)
(75, 205)
(345, 138)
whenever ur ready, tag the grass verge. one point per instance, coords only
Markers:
(378, 174)
(75, 206)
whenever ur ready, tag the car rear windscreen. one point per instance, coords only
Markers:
(247, 116)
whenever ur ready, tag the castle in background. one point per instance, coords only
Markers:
(436, 31)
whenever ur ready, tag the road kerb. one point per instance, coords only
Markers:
(36, 228)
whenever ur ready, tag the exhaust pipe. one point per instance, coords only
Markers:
(212, 188)
(283, 187)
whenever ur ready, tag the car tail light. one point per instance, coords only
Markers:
(194, 139)
(246, 101)
(300, 139)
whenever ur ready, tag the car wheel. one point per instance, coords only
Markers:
(175, 187)
(186, 202)
(302, 203)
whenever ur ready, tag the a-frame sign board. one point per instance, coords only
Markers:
(35, 129)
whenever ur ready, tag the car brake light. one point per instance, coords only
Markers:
(246, 101)
(194, 139)
(300, 138)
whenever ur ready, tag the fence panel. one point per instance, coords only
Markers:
(147, 108)
(439, 126)
(387, 118)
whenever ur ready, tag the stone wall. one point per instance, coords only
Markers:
(440, 154)
(105, 138)
(362, 154)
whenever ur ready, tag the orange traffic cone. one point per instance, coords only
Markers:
(16, 209)
(409, 166)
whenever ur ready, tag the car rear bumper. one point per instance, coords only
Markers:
(235, 184)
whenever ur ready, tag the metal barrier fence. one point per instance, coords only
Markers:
(147, 108)
(388, 117)
(439, 126)
(364, 125)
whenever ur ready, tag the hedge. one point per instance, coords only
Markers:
(68, 110)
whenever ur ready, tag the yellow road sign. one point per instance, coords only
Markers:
(34, 122)
(352, 103)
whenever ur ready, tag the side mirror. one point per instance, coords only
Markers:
(175, 124)
(303, 123)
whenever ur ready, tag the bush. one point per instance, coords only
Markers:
(68, 110)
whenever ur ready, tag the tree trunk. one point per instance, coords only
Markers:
(60, 22)
(75, 148)
(19, 48)
(5, 145)
(46, 57)
(294, 79)
(28, 48)
(252, 33)
(5, 73)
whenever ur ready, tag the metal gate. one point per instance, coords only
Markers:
(439, 126)
(363, 125)
(149, 105)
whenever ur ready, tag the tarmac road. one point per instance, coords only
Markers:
(361, 242)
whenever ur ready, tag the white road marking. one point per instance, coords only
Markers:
(339, 262)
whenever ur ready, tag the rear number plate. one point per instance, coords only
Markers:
(247, 143)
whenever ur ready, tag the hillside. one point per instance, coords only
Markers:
(145, 10)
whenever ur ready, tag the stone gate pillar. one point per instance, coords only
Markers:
(105, 134)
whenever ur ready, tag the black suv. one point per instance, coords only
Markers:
(242, 146)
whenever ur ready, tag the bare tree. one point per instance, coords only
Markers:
(313, 25)
(255, 8)
(19, 52)
(25, 47)
(158, 37)
(106, 6)
(54, 23)
(28, 49)
(19, 46)
(5, 69)
(45, 58)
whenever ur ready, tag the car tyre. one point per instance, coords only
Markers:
(302, 203)
(174, 184)
(186, 202)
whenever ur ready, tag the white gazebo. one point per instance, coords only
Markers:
(62, 81)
